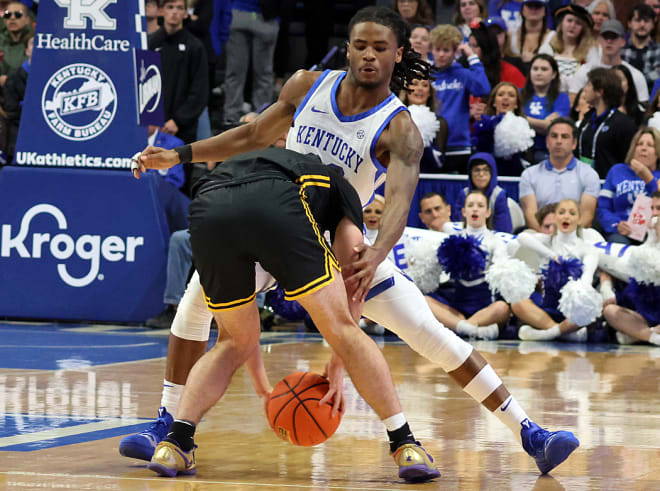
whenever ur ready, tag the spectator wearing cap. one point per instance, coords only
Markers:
(641, 51)
(612, 40)
(466, 12)
(509, 10)
(605, 133)
(571, 44)
(497, 27)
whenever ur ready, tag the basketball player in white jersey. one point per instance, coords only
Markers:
(352, 120)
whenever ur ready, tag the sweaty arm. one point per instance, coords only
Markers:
(400, 147)
(258, 134)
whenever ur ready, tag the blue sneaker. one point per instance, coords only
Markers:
(142, 445)
(548, 448)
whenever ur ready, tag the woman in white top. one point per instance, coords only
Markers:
(471, 311)
(466, 12)
(572, 44)
(541, 317)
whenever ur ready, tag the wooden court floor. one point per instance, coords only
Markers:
(609, 398)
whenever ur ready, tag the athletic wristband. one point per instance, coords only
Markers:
(185, 153)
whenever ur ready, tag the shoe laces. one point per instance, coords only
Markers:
(157, 426)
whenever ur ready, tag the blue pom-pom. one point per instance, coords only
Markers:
(462, 257)
(645, 297)
(290, 310)
(557, 274)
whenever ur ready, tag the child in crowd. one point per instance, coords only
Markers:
(542, 319)
(546, 218)
(542, 101)
(420, 40)
(482, 172)
(509, 148)
(632, 321)
(472, 312)
(453, 85)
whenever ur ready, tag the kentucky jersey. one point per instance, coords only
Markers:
(345, 142)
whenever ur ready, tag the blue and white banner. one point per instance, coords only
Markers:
(81, 102)
(149, 87)
(81, 245)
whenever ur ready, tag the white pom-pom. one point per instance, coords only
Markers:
(427, 123)
(654, 122)
(580, 303)
(512, 135)
(423, 266)
(644, 264)
(512, 279)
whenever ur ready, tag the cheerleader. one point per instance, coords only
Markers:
(541, 317)
(633, 320)
(471, 311)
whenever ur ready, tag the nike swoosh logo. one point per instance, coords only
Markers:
(314, 110)
(507, 404)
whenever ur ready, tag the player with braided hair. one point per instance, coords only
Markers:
(353, 121)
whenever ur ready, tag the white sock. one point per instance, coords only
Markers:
(511, 414)
(465, 328)
(654, 338)
(171, 396)
(394, 422)
(528, 333)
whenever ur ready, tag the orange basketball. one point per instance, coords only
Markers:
(294, 412)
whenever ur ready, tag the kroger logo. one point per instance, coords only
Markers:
(62, 246)
(79, 102)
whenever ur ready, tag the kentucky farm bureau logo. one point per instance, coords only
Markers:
(62, 246)
(79, 102)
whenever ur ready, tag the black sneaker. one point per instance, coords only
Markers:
(163, 320)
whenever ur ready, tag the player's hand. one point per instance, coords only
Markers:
(153, 158)
(623, 228)
(361, 272)
(334, 372)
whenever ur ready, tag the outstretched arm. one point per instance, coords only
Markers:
(260, 133)
(402, 143)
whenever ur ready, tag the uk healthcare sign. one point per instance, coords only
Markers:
(87, 86)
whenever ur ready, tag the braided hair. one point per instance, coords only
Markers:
(411, 65)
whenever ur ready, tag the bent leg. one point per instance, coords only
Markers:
(628, 322)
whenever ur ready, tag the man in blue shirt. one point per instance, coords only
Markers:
(559, 177)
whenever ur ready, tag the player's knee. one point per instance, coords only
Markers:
(192, 321)
(439, 344)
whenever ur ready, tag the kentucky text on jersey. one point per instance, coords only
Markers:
(322, 139)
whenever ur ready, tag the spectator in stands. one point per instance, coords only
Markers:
(572, 44)
(509, 10)
(433, 128)
(560, 177)
(466, 12)
(420, 40)
(542, 101)
(414, 11)
(638, 175)
(579, 108)
(252, 37)
(19, 30)
(612, 40)
(546, 218)
(655, 5)
(503, 99)
(185, 81)
(482, 175)
(453, 85)
(533, 31)
(497, 26)
(152, 11)
(641, 51)
(371, 216)
(605, 134)
(601, 10)
(434, 211)
(484, 44)
(14, 93)
(630, 103)
(652, 114)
